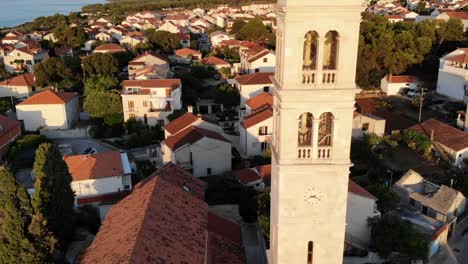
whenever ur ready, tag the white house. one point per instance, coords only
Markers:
(251, 85)
(24, 58)
(109, 48)
(50, 110)
(215, 62)
(449, 139)
(255, 132)
(187, 120)
(148, 59)
(364, 123)
(151, 101)
(170, 27)
(453, 74)
(19, 86)
(201, 151)
(217, 36)
(463, 16)
(99, 177)
(392, 84)
(262, 60)
(360, 205)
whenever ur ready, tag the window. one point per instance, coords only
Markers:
(265, 59)
(365, 126)
(131, 116)
(310, 252)
(126, 187)
(257, 70)
(424, 210)
(264, 146)
(145, 103)
(304, 135)
(310, 51)
(131, 105)
(330, 50)
(263, 130)
(266, 89)
(168, 92)
(325, 129)
(33, 88)
(208, 171)
(160, 122)
(133, 90)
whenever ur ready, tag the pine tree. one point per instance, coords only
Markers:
(17, 243)
(53, 198)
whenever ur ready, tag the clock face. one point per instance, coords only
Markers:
(313, 196)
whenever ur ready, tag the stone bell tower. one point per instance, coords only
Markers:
(317, 43)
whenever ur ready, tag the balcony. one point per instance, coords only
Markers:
(329, 77)
(305, 153)
(308, 76)
(324, 153)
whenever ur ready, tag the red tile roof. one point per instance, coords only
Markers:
(265, 172)
(214, 61)
(358, 190)
(258, 55)
(258, 116)
(460, 15)
(444, 134)
(402, 78)
(247, 175)
(95, 166)
(180, 123)
(49, 97)
(186, 52)
(153, 83)
(260, 100)
(255, 78)
(191, 135)
(150, 53)
(161, 222)
(9, 129)
(20, 80)
(111, 47)
(461, 58)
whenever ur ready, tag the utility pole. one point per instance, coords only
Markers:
(421, 98)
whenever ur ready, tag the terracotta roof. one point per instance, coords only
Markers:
(444, 134)
(49, 97)
(110, 47)
(191, 135)
(224, 227)
(7, 124)
(265, 172)
(221, 246)
(95, 166)
(258, 116)
(247, 175)
(460, 15)
(259, 55)
(260, 100)
(150, 53)
(461, 58)
(159, 222)
(26, 79)
(402, 78)
(153, 83)
(358, 190)
(214, 61)
(180, 123)
(255, 78)
(186, 51)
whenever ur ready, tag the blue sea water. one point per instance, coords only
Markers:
(15, 12)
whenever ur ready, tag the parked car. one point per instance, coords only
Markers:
(89, 151)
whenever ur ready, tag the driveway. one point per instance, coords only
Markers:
(80, 144)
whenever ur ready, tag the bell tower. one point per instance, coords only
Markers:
(317, 43)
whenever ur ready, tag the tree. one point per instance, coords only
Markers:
(452, 30)
(392, 234)
(52, 72)
(100, 63)
(248, 205)
(227, 95)
(237, 26)
(388, 199)
(106, 105)
(254, 30)
(101, 83)
(164, 40)
(20, 242)
(53, 198)
(71, 37)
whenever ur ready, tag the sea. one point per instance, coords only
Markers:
(16, 12)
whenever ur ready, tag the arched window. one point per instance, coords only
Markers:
(310, 252)
(330, 51)
(310, 51)
(304, 134)
(325, 129)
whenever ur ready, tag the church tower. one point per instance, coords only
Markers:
(317, 43)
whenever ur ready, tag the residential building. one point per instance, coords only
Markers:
(201, 151)
(147, 59)
(255, 131)
(453, 73)
(19, 86)
(463, 16)
(10, 130)
(109, 48)
(250, 177)
(167, 206)
(49, 110)
(462, 121)
(364, 124)
(21, 59)
(262, 60)
(251, 85)
(217, 36)
(447, 139)
(215, 62)
(187, 55)
(393, 84)
(151, 101)
(433, 209)
(103, 36)
(187, 120)
(170, 27)
(99, 177)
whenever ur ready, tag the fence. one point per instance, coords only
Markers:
(66, 133)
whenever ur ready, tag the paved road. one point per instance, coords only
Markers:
(80, 144)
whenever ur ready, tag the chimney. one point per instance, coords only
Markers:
(199, 116)
(465, 127)
(190, 109)
(432, 134)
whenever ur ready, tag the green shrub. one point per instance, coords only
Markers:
(373, 139)
(89, 218)
(26, 142)
(417, 141)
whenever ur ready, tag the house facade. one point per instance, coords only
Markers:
(21, 59)
(19, 86)
(393, 84)
(49, 110)
(367, 124)
(453, 75)
(255, 132)
(260, 61)
(251, 85)
(151, 101)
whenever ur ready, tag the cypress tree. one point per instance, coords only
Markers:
(17, 243)
(53, 198)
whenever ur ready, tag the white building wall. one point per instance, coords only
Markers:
(36, 116)
(451, 85)
(249, 91)
(359, 209)
(72, 110)
(394, 88)
(251, 140)
(15, 91)
(262, 66)
(100, 186)
(211, 153)
(376, 126)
